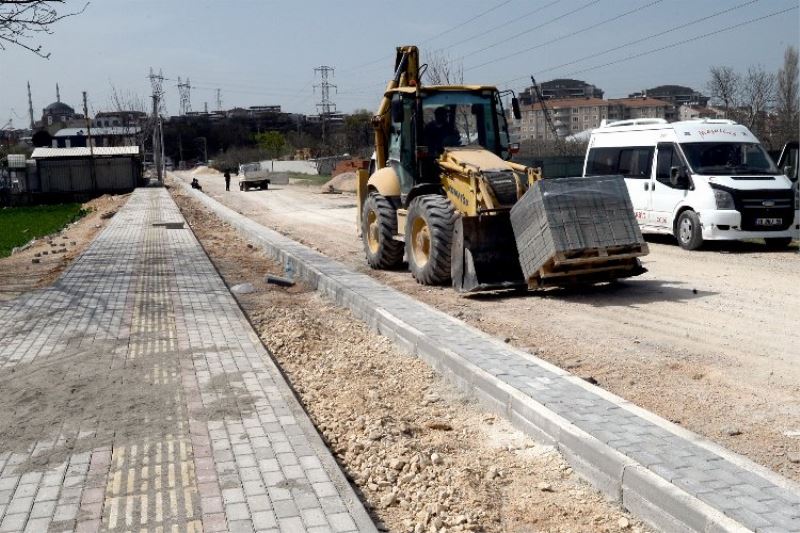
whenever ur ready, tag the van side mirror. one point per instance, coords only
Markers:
(679, 177)
(515, 108)
(397, 110)
(788, 171)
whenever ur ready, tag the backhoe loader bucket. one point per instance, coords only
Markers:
(484, 256)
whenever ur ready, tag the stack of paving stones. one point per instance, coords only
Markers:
(176, 418)
(666, 475)
(572, 214)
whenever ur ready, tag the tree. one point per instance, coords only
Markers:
(758, 94)
(273, 143)
(788, 97)
(20, 20)
(725, 86)
(444, 71)
(358, 133)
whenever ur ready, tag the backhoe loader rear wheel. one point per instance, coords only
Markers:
(378, 228)
(429, 237)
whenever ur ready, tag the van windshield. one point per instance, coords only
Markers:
(728, 158)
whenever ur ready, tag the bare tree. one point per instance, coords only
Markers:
(131, 106)
(21, 20)
(725, 86)
(442, 70)
(758, 95)
(788, 96)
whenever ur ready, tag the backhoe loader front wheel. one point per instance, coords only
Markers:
(429, 237)
(378, 228)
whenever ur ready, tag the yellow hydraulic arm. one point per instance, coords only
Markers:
(406, 74)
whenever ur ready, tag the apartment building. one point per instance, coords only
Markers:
(640, 107)
(569, 116)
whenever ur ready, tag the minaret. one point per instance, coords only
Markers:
(58, 94)
(30, 106)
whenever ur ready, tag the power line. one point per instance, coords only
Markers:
(556, 19)
(476, 17)
(675, 44)
(640, 40)
(388, 58)
(500, 26)
(566, 35)
(685, 41)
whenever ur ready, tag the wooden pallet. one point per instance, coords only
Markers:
(599, 254)
(595, 264)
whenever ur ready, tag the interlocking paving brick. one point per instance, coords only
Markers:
(697, 469)
(146, 304)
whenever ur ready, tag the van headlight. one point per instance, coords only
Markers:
(724, 199)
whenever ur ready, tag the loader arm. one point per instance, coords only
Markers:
(406, 74)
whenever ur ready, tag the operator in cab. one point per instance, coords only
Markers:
(440, 132)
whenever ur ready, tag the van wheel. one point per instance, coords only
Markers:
(778, 243)
(688, 231)
(429, 237)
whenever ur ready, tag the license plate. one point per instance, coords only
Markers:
(769, 221)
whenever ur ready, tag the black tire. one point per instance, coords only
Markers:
(429, 238)
(778, 243)
(688, 231)
(378, 228)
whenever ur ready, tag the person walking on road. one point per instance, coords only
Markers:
(227, 180)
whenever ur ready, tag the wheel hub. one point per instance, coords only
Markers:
(421, 241)
(686, 230)
(373, 232)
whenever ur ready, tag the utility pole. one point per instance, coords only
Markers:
(185, 94)
(30, 107)
(89, 142)
(219, 99)
(546, 112)
(157, 139)
(205, 148)
(205, 108)
(157, 84)
(326, 106)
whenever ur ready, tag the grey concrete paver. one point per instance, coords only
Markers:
(142, 326)
(682, 474)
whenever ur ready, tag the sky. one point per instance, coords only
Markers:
(263, 52)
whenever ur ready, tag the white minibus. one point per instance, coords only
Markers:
(698, 180)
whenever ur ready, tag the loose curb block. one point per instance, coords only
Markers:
(648, 495)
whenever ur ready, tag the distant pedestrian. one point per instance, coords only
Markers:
(227, 180)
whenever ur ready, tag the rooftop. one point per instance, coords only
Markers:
(639, 102)
(116, 130)
(100, 151)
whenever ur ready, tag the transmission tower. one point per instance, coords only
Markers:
(185, 92)
(157, 85)
(326, 106)
(219, 99)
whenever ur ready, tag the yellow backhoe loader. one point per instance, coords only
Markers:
(441, 188)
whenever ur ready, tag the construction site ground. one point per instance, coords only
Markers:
(706, 339)
(423, 456)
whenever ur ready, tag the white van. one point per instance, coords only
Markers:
(697, 180)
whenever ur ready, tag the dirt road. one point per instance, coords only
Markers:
(708, 339)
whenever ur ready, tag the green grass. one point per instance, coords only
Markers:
(19, 225)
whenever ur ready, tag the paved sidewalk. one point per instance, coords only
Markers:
(663, 473)
(135, 396)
